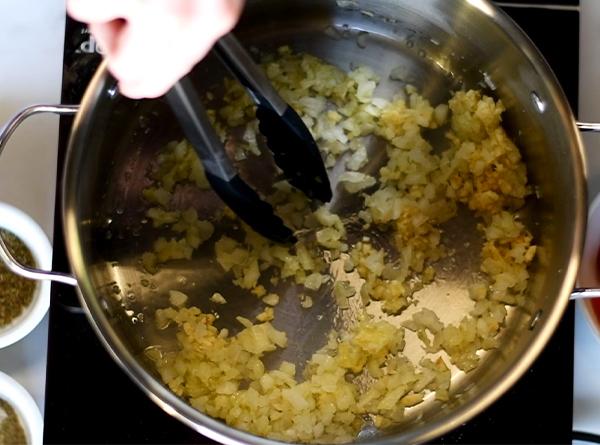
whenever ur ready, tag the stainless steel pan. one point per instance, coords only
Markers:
(442, 45)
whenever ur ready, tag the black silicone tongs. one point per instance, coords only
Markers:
(293, 147)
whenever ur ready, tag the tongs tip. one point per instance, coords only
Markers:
(295, 151)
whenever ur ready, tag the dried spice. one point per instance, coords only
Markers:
(16, 292)
(11, 430)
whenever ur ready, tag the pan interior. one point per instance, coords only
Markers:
(437, 56)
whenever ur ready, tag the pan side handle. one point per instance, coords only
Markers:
(584, 292)
(588, 127)
(5, 133)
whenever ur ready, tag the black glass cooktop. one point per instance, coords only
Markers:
(90, 400)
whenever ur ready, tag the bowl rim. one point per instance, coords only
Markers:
(36, 240)
(25, 406)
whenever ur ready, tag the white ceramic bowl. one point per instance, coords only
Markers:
(25, 407)
(589, 271)
(32, 235)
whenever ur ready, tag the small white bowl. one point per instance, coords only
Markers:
(589, 270)
(32, 235)
(25, 407)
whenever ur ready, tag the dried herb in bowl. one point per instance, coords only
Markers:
(16, 292)
(11, 430)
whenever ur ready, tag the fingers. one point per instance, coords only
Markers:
(147, 63)
(108, 34)
(149, 47)
(144, 88)
(99, 11)
(151, 53)
(229, 12)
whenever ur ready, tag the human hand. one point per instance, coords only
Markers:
(150, 44)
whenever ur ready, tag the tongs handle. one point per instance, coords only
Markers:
(192, 116)
(235, 57)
